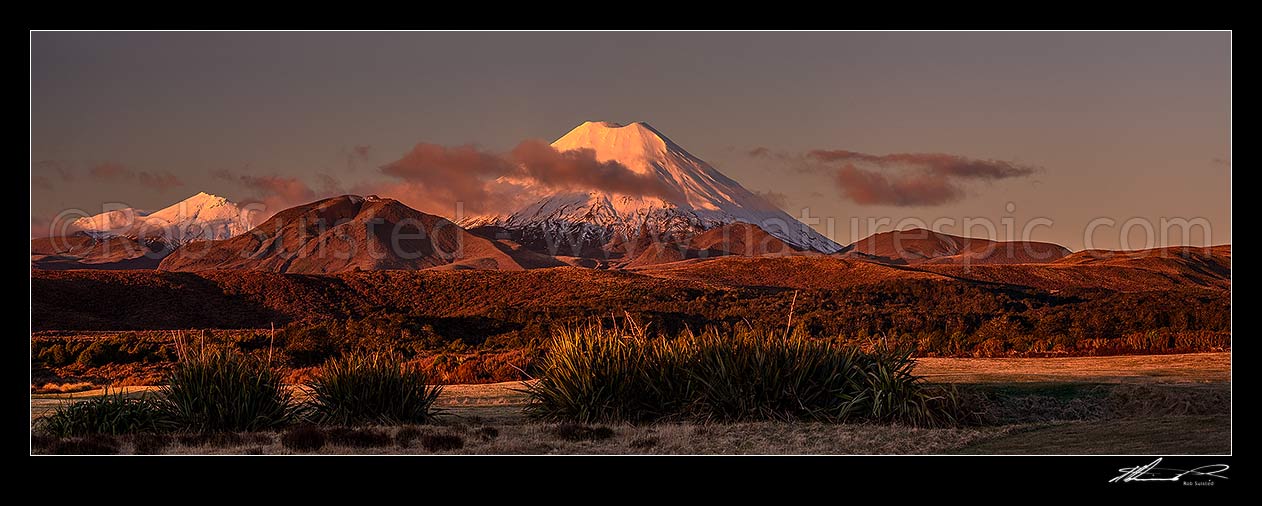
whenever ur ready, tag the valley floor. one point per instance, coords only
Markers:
(1158, 404)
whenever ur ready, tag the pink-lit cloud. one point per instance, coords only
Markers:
(116, 172)
(110, 171)
(579, 169)
(435, 176)
(897, 179)
(448, 180)
(865, 187)
(158, 180)
(936, 163)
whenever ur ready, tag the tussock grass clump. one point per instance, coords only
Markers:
(221, 439)
(1152, 401)
(306, 438)
(364, 388)
(579, 432)
(592, 374)
(217, 389)
(405, 436)
(112, 413)
(149, 443)
(441, 442)
(41, 442)
(643, 443)
(486, 433)
(358, 438)
(94, 444)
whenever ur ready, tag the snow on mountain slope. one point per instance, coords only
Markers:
(200, 217)
(707, 197)
(110, 220)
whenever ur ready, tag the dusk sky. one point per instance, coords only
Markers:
(1066, 126)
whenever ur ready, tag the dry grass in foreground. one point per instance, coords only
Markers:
(1172, 435)
(1166, 404)
(558, 439)
(1183, 368)
(1029, 418)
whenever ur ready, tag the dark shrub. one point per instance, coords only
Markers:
(406, 436)
(212, 439)
(643, 443)
(111, 413)
(95, 444)
(99, 353)
(306, 438)
(592, 374)
(149, 443)
(41, 442)
(358, 438)
(579, 432)
(217, 389)
(487, 433)
(372, 388)
(441, 442)
(258, 438)
(308, 346)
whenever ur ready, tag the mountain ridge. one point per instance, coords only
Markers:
(200, 217)
(707, 197)
(923, 246)
(342, 234)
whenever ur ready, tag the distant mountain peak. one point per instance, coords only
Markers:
(343, 234)
(708, 198)
(203, 216)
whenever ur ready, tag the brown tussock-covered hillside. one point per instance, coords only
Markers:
(342, 234)
(918, 245)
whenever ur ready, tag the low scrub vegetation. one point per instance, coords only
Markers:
(305, 438)
(372, 389)
(463, 322)
(592, 374)
(216, 389)
(112, 413)
(441, 442)
(94, 444)
(358, 438)
(214, 392)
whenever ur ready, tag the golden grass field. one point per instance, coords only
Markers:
(1151, 404)
(1183, 368)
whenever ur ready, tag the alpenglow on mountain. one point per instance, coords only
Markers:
(200, 217)
(707, 198)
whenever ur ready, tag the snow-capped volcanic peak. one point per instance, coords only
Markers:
(110, 221)
(200, 217)
(707, 198)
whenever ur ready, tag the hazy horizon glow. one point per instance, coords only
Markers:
(1078, 129)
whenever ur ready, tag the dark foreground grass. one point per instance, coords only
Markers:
(112, 413)
(441, 442)
(220, 397)
(372, 389)
(1122, 419)
(592, 374)
(358, 438)
(305, 438)
(217, 389)
(1168, 435)
(94, 444)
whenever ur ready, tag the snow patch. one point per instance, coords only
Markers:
(709, 198)
(200, 217)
